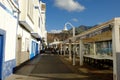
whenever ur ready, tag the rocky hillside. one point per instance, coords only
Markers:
(79, 29)
(66, 34)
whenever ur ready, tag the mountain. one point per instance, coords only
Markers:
(66, 34)
(80, 29)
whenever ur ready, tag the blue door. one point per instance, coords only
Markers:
(32, 50)
(1, 55)
(36, 48)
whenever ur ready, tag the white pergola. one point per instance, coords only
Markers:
(55, 43)
(114, 25)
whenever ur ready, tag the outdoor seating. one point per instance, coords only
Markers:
(98, 61)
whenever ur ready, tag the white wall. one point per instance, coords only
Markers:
(9, 24)
(43, 23)
(24, 35)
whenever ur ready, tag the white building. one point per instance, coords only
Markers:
(22, 27)
(31, 29)
(8, 29)
(43, 22)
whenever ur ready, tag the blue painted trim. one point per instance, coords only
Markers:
(7, 10)
(3, 6)
(8, 68)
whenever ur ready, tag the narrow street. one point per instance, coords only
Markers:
(46, 67)
(54, 67)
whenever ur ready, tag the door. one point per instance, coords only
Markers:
(18, 55)
(36, 48)
(1, 55)
(32, 49)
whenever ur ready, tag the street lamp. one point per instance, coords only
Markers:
(65, 29)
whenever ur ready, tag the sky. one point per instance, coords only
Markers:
(79, 12)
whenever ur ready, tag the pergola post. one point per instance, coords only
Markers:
(70, 58)
(94, 48)
(64, 49)
(81, 52)
(74, 52)
(61, 49)
(116, 50)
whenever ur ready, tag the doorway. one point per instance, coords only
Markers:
(18, 55)
(1, 54)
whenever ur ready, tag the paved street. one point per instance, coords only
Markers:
(46, 67)
(52, 67)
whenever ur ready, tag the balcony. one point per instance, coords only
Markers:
(26, 16)
(27, 24)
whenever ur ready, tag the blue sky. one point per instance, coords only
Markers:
(79, 12)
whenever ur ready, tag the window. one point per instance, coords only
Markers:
(30, 9)
(43, 7)
(87, 49)
(27, 44)
(39, 23)
(104, 48)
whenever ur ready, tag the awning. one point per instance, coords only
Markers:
(101, 37)
(36, 35)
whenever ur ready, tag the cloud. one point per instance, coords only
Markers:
(69, 5)
(75, 20)
(55, 31)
